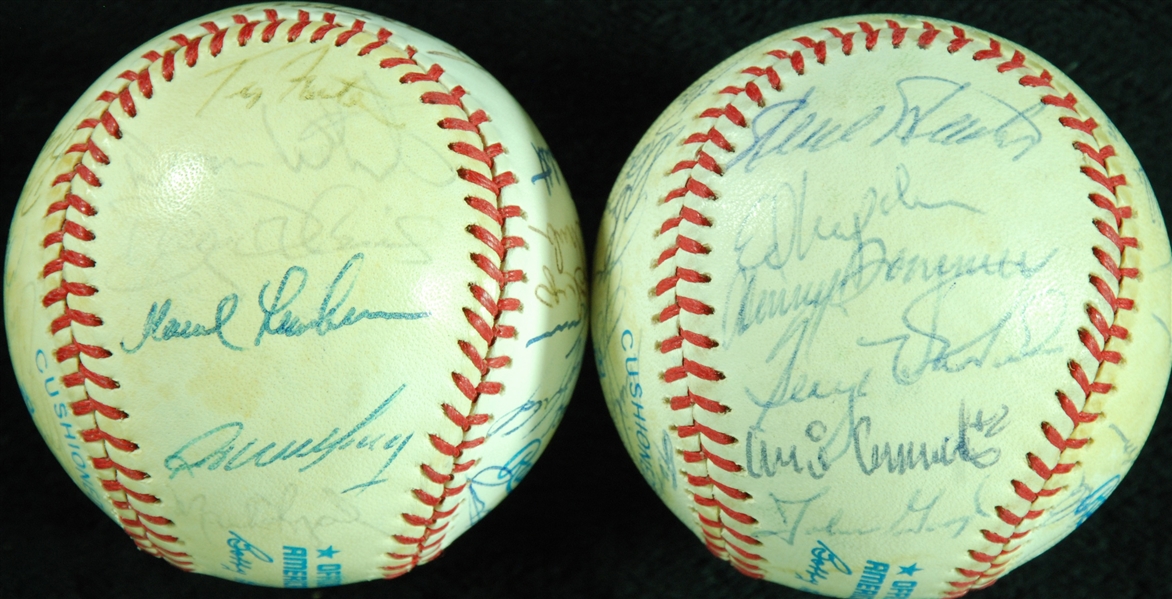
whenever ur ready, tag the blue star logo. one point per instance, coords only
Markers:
(909, 570)
(328, 552)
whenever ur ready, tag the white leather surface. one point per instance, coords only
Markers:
(307, 163)
(895, 266)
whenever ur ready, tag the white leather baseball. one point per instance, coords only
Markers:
(882, 307)
(296, 295)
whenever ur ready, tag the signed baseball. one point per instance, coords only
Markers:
(882, 307)
(296, 295)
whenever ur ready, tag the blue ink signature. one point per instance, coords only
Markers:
(1082, 501)
(238, 549)
(550, 333)
(290, 325)
(1096, 499)
(919, 517)
(851, 436)
(932, 110)
(217, 448)
(158, 327)
(820, 556)
(544, 413)
(332, 314)
(537, 418)
(508, 475)
(925, 347)
(763, 290)
(550, 173)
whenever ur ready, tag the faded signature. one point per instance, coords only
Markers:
(922, 513)
(783, 228)
(931, 110)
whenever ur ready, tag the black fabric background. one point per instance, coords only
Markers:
(593, 76)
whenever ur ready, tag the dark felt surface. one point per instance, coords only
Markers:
(593, 76)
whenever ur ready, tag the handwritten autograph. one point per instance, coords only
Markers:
(218, 448)
(543, 414)
(922, 514)
(782, 229)
(931, 110)
(158, 327)
(290, 325)
(852, 435)
(507, 475)
(278, 315)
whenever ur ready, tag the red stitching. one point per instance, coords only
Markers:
(216, 45)
(296, 30)
(928, 36)
(959, 40)
(140, 526)
(702, 162)
(870, 35)
(846, 39)
(1017, 62)
(994, 51)
(974, 579)
(270, 30)
(67, 257)
(73, 230)
(383, 36)
(819, 48)
(898, 33)
(730, 547)
(426, 546)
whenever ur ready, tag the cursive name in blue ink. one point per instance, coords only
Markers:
(220, 448)
(929, 345)
(507, 475)
(764, 245)
(923, 513)
(332, 313)
(931, 110)
(539, 416)
(854, 260)
(907, 456)
(160, 326)
(823, 445)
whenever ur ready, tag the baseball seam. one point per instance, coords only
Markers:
(146, 529)
(704, 487)
(428, 545)
(976, 579)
